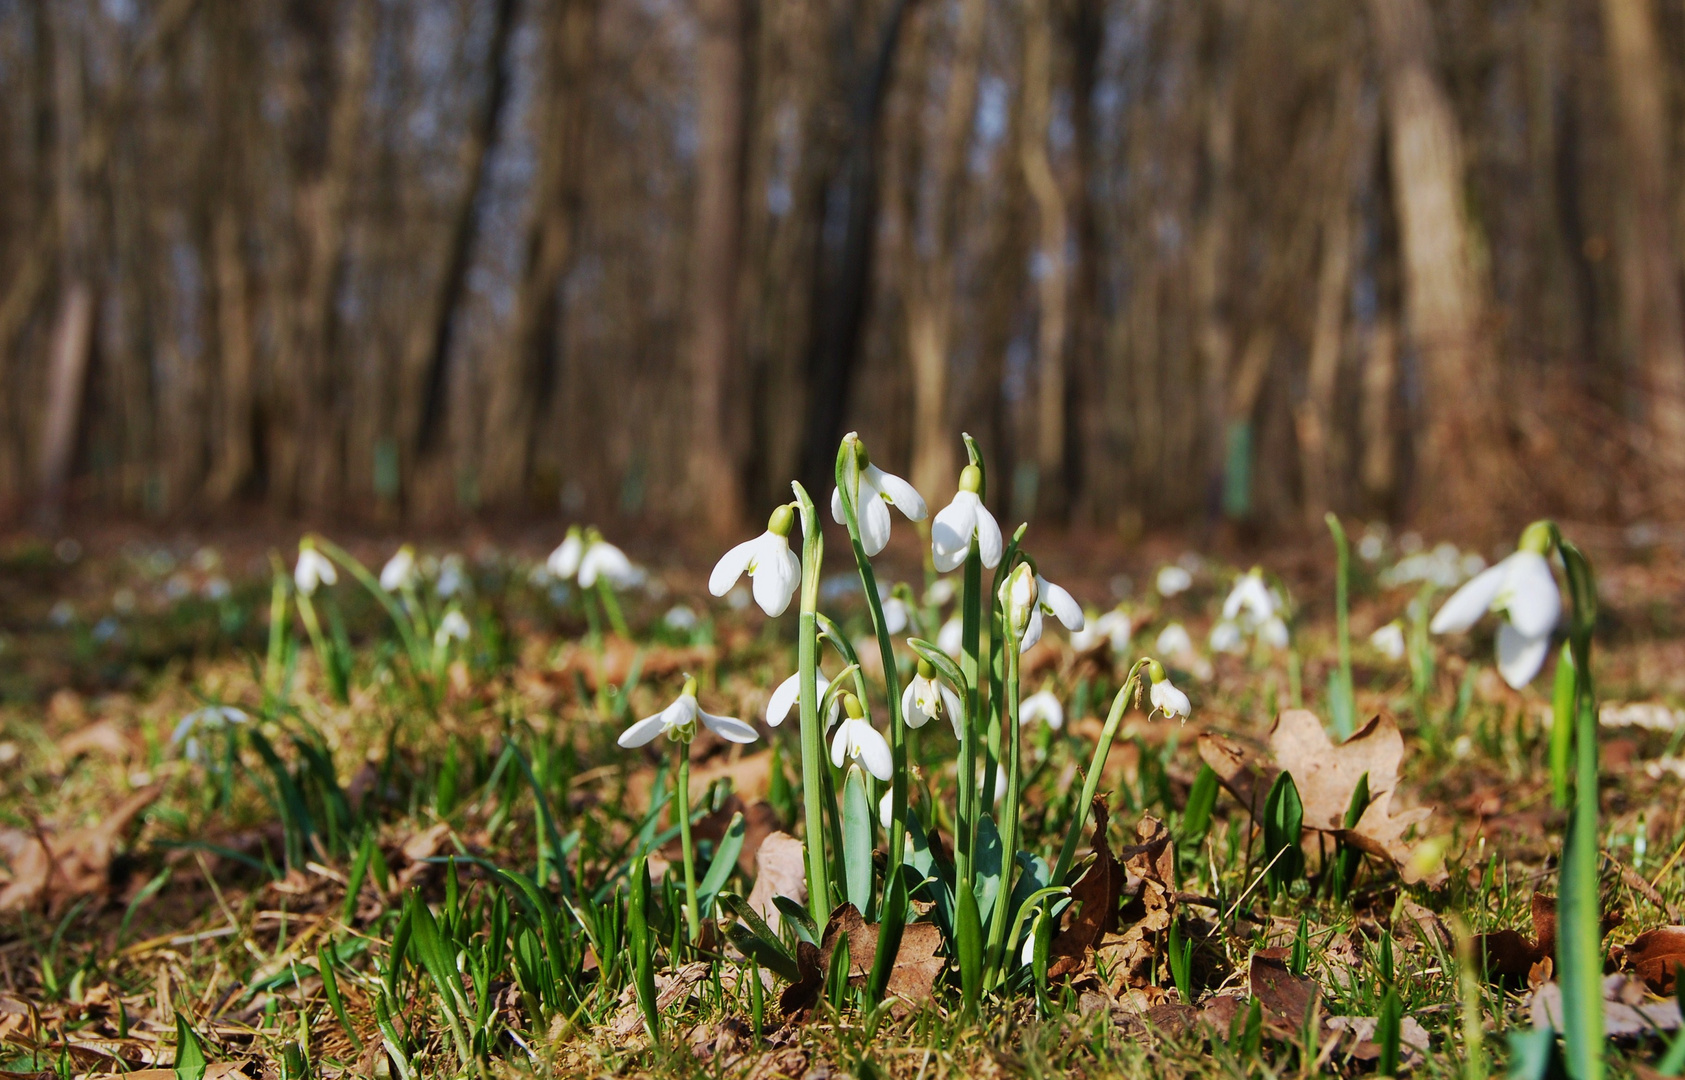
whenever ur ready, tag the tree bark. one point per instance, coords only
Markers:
(714, 472)
(930, 296)
(1052, 286)
(1652, 301)
(1464, 467)
(520, 378)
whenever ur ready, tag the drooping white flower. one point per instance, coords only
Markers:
(772, 567)
(1114, 628)
(1053, 600)
(879, 491)
(399, 571)
(1522, 588)
(1164, 696)
(678, 722)
(940, 592)
(926, 698)
(788, 693)
(206, 719)
(603, 560)
(681, 617)
(313, 569)
(857, 741)
(1018, 600)
(1173, 581)
(895, 615)
(453, 627)
(962, 520)
(451, 576)
(1274, 632)
(951, 638)
(1250, 603)
(564, 561)
(1389, 641)
(1226, 637)
(1173, 641)
(1042, 705)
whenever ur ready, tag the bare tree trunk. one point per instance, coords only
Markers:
(66, 380)
(1652, 301)
(429, 349)
(717, 487)
(1053, 285)
(930, 297)
(1464, 464)
(307, 454)
(1380, 372)
(234, 338)
(1085, 33)
(520, 380)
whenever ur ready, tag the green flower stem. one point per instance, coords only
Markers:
(848, 482)
(815, 780)
(412, 644)
(1009, 816)
(1579, 945)
(971, 632)
(272, 665)
(1091, 783)
(611, 608)
(313, 627)
(681, 802)
(989, 716)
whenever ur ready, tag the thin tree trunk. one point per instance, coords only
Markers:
(520, 380)
(1380, 373)
(234, 337)
(1053, 239)
(66, 380)
(717, 487)
(1651, 271)
(1463, 462)
(930, 296)
(1085, 33)
(430, 346)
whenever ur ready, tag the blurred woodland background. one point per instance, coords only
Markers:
(1169, 260)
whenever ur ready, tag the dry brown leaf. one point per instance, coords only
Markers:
(1413, 1038)
(1150, 869)
(912, 976)
(1656, 955)
(61, 867)
(1286, 999)
(1326, 776)
(1514, 960)
(1626, 1010)
(219, 1070)
(98, 738)
(1094, 905)
(780, 870)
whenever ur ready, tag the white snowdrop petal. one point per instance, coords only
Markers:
(910, 712)
(731, 566)
(1032, 630)
(839, 746)
(1062, 604)
(905, 497)
(644, 730)
(1530, 596)
(1469, 603)
(1519, 656)
(784, 698)
(730, 728)
(873, 515)
(564, 561)
(837, 507)
(873, 751)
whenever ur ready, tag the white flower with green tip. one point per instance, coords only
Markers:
(678, 722)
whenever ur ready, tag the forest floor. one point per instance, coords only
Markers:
(169, 872)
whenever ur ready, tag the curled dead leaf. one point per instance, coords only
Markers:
(59, 867)
(1657, 955)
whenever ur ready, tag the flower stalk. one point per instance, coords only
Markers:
(814, 776)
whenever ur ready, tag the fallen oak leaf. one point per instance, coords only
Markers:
(780, 870)
(912, 976)
(1511, 959)
(1094, 897)
(67, 866)
(1625, 1011)
(1657, 955)
(1288, 1000)
(1149, 869)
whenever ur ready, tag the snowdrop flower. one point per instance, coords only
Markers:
(451, 578)
(564, 561)
(859, 743)
(961, 520)
(1273, 633)
(453, 627)
(209, 718)
(1044, 706)
(772, 567)
(927, 698)
(879, 491)
(1114, 628)
(312, 569)
(1389, 641)
(1018, 600)
(1055, 601)
(678, 722)
(895, 615)
(940, 592)
(399, 571)
(1173, 581)
(1250, 602)
(1165, 698)
(789, 693)
(1226, 637)
(951, 638)
(1523, 589)
(603, 560)
(680, 617)
(1173, 641)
